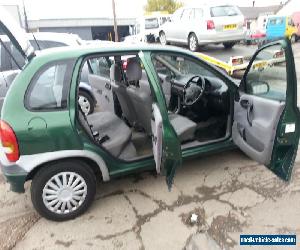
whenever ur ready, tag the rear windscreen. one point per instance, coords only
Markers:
(226, 10)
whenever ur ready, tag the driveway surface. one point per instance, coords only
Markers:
(228, 193)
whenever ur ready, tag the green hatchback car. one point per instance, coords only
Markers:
(156, 107)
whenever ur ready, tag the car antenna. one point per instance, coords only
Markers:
(9, 52)
(36, 41)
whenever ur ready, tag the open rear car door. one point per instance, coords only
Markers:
(266, 117)
(165, 142)
(15, 34)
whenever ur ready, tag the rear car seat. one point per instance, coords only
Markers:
(119, 134)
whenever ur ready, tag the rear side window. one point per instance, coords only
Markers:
(49, 88)
(225, 10)
(45, 44)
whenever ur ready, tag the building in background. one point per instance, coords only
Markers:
(86, 28)
(251, 14)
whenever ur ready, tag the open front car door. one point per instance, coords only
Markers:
(165, 142)
(266, 117)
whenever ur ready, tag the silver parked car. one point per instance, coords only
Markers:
(206, 24)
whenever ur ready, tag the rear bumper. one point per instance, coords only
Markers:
(215, 37)
(13, 173)
(15, 176)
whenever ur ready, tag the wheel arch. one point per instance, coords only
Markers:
(95, 162)
(87, 91)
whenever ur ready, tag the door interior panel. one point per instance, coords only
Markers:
(254, 127)
(156, 125)
(103, 90)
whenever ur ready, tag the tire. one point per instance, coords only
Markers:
(45, 177)
(163, 38)
(293, 38)
(193, 42)
(86, 102)
(228, 45)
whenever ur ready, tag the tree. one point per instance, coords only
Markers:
(163, 5)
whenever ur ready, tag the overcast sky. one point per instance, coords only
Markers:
(44, 9)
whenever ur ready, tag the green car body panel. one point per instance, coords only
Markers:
(59, 130)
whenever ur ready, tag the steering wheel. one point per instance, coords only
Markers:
(193, 90)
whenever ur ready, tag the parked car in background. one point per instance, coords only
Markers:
(204, 24)
(11, 61)
(276, 27)
(147, 28)
(296, 20)
(280, 26)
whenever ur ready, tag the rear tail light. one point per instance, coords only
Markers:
(210, 25)
(9, 142)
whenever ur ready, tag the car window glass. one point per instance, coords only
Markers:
(163, 20)
(18, 57)
(226, 10)
(177, 15)
(49, 88)
(7, 63)
(267, 76)
(180, 65)
(187, 15)
(151, 23)
(100, 66)
(46, 44)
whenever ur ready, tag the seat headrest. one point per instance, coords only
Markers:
(133, 70)
(115, 73)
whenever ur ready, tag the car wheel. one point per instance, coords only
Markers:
(228, 45)
(193, 42)
(86, 102)
(163, 38)
(293, 38)
(63, 190)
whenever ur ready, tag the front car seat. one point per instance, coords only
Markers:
(140, 95)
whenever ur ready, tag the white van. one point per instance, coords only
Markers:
(147, 28)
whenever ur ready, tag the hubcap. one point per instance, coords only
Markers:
(64, 192)
(193, 43)
(84, 104)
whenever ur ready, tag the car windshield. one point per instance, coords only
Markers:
(226, 10)
(151, 23)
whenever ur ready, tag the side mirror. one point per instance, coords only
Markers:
(257, 87)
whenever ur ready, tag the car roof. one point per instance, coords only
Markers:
(66, 38)
(61, 53)
(208, 5)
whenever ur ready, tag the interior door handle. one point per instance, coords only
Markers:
(249, 112)
(245, 103)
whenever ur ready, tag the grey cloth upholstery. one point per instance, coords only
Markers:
(184, 127)
(142, 100)
(116, 73)
(119, 143)
(133, 70)
(120, 89)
